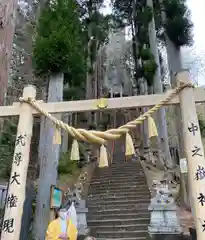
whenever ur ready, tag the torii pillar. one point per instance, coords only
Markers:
(194, 151)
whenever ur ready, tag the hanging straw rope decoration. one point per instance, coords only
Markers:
(101, 138)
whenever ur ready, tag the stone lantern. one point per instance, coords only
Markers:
(163, 209)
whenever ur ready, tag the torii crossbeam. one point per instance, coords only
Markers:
(112, 103)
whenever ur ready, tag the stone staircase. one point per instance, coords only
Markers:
(118, 200)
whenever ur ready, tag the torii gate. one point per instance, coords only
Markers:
(192, 143)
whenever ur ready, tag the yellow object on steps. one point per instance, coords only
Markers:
(102, 103)
(75, 154)
(54, 230)
(103, 157)
(57, 136)
(129, 146)
(152, 129)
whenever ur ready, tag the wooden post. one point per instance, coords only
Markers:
(48, 161)
(11, 226)
(194, 154)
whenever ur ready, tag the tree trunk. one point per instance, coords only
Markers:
(48, 162)
(144, 91)
(89, 71)
(175, 66)
(64, 145)
(7, 27)
(27, 212)
(134, 39)
(89, 74)
(161, 115)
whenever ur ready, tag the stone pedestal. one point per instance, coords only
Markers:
(81, 217)
(164, 219)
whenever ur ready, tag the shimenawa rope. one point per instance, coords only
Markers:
(100, 137)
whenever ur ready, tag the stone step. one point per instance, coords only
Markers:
(125, 184)
(114, 178)
(120, 170)
(118, 186)
(119, 167)
(113, 190)
(113, 207)
(120, 196)
(118, 222)
(118, 203)
(125, 214)
(126, 164)
(132, 187)
(121, 234)
(118, 200)
(115, 193)
(97, 194)
(116, 228)
(119, 174)
(118, 181)
(129, 162)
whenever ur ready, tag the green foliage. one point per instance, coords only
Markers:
(145, 16)
(73, 93)
(158, 16)
(178, 25)
(139, 20)
(122, 11)
(58, 46)
(66, 166)
(7, 143)
(101, 26)
(145, 54)
(97, 27)
(142, 36)
(149, 69)
(202, 127)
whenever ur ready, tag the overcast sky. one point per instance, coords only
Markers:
(198, 17)
(197, 8)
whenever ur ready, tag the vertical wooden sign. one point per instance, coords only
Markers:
(11, 226)
(194, 154)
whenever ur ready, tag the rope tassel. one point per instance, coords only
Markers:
(57, 136)
(103, 157)
(129, 146)
(75, 153)
(152, 129)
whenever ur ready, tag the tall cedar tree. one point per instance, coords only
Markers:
(177, 27)
(59, 46)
